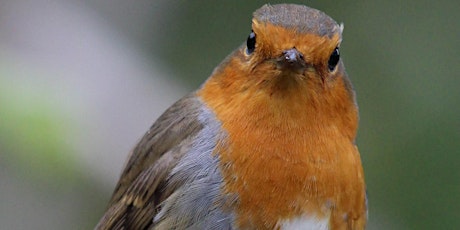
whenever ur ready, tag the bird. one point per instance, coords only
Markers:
(266, 142)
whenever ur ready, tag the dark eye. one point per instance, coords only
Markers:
(251, 43)
(334, 59)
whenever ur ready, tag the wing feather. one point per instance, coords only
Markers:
(143, 183)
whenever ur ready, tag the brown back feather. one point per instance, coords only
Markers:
(143, 183)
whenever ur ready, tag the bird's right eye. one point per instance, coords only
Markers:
(251, 43)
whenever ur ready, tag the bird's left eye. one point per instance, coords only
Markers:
(251, 43)
(333, 59)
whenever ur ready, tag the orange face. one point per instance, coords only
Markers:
(291, 128)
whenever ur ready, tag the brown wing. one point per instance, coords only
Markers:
(142, 185)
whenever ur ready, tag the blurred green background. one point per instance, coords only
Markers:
(81, 81)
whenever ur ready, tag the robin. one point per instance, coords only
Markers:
(267, 142)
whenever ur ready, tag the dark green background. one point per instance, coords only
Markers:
(402, 57)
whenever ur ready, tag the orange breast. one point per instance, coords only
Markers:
(288, 153)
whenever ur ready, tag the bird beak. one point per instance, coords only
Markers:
(291, 59)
